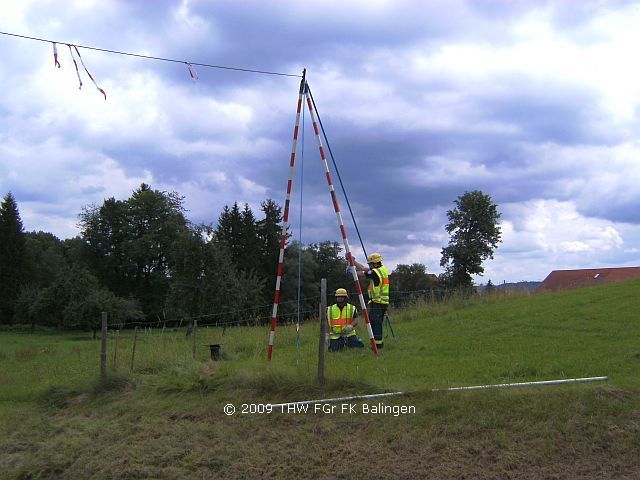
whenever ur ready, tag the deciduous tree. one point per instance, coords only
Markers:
(131, 244)
(409, 283)
(474, 235)
(332, 266)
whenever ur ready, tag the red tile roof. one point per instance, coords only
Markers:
(572, 279)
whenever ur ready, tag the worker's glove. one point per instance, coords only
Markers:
(348, 329)
(349, 270)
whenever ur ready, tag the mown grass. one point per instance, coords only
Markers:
(164, 418)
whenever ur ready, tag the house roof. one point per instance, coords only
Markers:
(572, 279)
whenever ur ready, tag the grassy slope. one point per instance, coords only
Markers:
(165, 420)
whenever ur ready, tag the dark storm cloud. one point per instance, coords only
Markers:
(616, 211)
(267, 36)
(280, 35)
(543, 111)
(264, 32)
(413, 117)
(537, 112)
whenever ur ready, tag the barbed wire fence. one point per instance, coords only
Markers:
(260, 315)
(147, 346)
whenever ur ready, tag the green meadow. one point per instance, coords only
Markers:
(164, 417)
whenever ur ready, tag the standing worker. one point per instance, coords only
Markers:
(342, 318)
(378, 290)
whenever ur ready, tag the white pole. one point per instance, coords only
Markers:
(476, 387)
(335, 400)
(524, 384)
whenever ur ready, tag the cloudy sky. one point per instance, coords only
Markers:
(535, 103)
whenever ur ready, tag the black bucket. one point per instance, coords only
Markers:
(215, 351)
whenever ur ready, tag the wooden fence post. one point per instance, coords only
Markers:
(323, 329)
(133, 351)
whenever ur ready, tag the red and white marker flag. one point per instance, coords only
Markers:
(85, 69)
(192, 72)
(56, 63)
(76, 64)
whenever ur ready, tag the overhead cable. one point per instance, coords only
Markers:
(151, 57)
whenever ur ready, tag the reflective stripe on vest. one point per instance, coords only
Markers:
(379, 293)
(339, 319)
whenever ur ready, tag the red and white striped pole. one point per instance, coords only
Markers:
(285, 220)
(336, 207)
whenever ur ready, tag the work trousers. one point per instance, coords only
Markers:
(337, 344)
(376, 317)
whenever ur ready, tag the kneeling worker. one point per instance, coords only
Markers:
(342, 318)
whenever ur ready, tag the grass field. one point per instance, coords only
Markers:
(164, 418)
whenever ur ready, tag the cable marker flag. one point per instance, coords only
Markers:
(76, 64)
(90, 76)
(192, 72)
(56, 63)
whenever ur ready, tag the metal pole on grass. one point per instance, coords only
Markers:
(525, 384)
(103, 347)
(323, 329)
(390, 326)
(284, 406)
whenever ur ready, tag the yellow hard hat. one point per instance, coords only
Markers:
(341, 292)
(374, 258)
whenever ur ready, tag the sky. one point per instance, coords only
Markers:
(535, 103)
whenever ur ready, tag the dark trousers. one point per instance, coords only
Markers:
(376, 317)
(337, 344)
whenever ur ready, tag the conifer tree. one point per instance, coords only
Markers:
(229, 230)
(249, 242)
(12, 248)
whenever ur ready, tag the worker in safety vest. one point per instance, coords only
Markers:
(342, 319)
(378, 290)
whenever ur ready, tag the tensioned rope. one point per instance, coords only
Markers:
(343, 231)
(151, 57)
(344, 192)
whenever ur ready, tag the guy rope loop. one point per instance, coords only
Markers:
(304, 91)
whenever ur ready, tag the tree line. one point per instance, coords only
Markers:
(141, 260)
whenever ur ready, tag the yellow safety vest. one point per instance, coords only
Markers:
(379, 293)
(338, 319)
